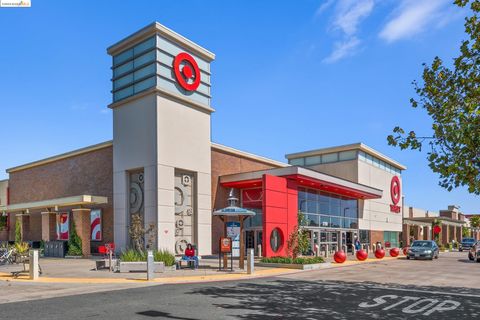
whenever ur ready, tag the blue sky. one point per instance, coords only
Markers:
(289, 75)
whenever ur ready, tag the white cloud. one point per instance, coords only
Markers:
(350, 13)
(347, 17)
(343, 49)
(414, 16)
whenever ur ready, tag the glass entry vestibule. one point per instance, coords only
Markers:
(331, 240)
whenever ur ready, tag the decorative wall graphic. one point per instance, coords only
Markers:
(184, 211)
(63, 226)
(136, 192)
(96, 224)
(136, 206)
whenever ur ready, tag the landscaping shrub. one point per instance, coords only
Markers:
(21, 247)
(289, 260)
(132, 255)
(74, 243)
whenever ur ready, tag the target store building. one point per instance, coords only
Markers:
(162, 166)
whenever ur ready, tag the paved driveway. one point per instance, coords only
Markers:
(452, 269)
(398, 289)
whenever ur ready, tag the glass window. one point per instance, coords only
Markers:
(347, 155)
(145, 71)
(276, 239)
(297, 162)
(122, 57)
(147, 57)
(120, 82)
(122, 69)
(376, 162)
(63, 226)
(324, 204)
(96, 225)
(364, 236)
(330, 157)
(145, 84)
(369, 158)
(128, 91)
(362, 156)
(309, 161)
(147, 44)
(312, 220)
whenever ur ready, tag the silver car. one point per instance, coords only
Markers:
(423, 249)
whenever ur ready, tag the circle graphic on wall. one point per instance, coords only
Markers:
(395, 190)
(180, 246)
(136, 197)
(186, 71)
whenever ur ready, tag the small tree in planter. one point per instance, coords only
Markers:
(137, 232)
(74, 243)
(298, 241)
(18, 231)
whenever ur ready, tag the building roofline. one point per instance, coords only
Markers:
(65, 155)
(154, 28)
(353, 146)
(249, 155)
(296, 170)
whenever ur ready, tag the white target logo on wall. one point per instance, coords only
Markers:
(184, 201)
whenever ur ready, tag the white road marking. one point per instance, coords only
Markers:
(426, 306)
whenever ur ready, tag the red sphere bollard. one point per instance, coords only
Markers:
(379, 253)
(340, 257)
(362, 255)
(405, 250)
(394, 252)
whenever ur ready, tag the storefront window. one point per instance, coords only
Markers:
(275, 239)
(390, 237)
(96, 224)
(63, 226)
(325, 209)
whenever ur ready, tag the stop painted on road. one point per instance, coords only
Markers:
(410, 304)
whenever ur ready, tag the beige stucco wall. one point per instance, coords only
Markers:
(374, 214)
(3, 192)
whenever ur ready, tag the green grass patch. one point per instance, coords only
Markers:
(131, 255)
(288, 260)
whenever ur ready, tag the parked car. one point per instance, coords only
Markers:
(474, 252)
(466, 244)
(423, 249)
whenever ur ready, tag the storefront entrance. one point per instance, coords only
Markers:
(332, 240)
(253, 240)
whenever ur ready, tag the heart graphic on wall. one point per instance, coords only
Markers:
(166, 231)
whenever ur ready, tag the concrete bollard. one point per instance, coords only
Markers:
(250, 261)
(33, 267)
(259, 250)
(150, 266)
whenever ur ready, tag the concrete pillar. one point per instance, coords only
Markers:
(49, 231)
(81, 218)
(33, 267)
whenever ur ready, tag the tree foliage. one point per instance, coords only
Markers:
(475, 221)
(451, 97)
(74, 242)
(298, 241)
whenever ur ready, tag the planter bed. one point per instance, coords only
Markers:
(140, 266)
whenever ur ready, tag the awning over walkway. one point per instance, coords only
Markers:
(444, 220)
(410, 222)
(81, 200)
(304, 177)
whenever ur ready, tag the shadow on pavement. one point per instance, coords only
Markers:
(293, 299)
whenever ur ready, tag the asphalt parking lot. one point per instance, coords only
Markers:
(452, 269)
(395, 289)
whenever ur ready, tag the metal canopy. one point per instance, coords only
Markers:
(52, 203)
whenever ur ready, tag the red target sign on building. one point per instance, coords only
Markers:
(395, 194)
(186, 71)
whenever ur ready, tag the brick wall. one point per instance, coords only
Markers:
(89, 173)
(224, 163)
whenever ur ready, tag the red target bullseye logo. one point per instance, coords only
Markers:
(395, 190)
(186, 71)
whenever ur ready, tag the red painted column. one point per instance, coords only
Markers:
(280, 206)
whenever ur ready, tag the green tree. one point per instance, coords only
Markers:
(298, 241)
(475, 221)
(18, 231)
(74, 242)
(451, 97)
(465, 232)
